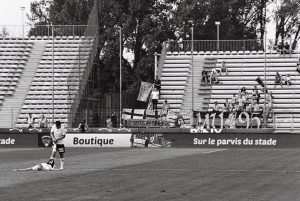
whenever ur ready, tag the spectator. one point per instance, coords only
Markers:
(157, 83)
(180, 44)
(230, 122)
(278, 80)
(205, 76)
(234, 99)
(214, 77)
(256, 110)
(216, 107)
(224, 67)
(286, 48)
(280, 48)
(43, 122)
(226, 106)
(165, 108)
(108, 122)
(241, 102)
(256, 97)
(243, 91)
(287, 80)
(254, 90)
(154, 97)
(200, 127)
(30, 121)
(83, 126)
(298, 66)
(113, 118)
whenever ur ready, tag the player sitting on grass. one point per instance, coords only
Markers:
(40, 167)
(57, 134)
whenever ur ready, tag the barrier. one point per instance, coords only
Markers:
(18, 140)
(156, 137)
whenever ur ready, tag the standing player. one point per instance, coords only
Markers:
(40, 167)
(57, 134)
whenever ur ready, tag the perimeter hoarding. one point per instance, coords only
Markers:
(18, 140)
(97, 140)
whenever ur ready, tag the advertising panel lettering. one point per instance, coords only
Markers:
(97, 140)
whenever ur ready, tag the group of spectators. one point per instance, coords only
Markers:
(244, 101)
(43, 121)
(283, 49)
(280, 80)
(213, 77)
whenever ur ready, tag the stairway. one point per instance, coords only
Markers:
(173, 80)
(12, 104)
(191, 95)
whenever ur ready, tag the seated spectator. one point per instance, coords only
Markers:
(43, 122)
(280, 48)
(200, 127)
(230, 122)
(248, 107)
(256, 110)
(243, 91)
(298, 66)
(214, 77)
(278, 80)
(287, 80)
(226, 106)
(83, 126)
(224, 67)
(286, 48)
(205, 76)
(241, 101)
(234, 99)
(256, 97)
(165, 109)
(216, 107)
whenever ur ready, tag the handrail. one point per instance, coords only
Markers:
(92, 37)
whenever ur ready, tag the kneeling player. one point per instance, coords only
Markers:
(40, 167)
(58, 134)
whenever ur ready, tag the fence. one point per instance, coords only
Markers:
(223, 45)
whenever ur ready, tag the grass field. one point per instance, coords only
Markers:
(141, 174)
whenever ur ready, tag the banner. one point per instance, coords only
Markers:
(18, 141)
(145, 90)
(97, 140)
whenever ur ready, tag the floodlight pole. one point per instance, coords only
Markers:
(218, 35)
(52, 73)
(120, 41)
(192, 54)
(22, 9)
(265, 73)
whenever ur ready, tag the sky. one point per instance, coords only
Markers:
(11, 14)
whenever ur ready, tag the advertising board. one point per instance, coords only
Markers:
(18, 140)
(97, 140)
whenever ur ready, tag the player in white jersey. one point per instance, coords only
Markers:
(58, 134)
(49, 166)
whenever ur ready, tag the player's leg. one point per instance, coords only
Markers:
(34, 168)
(62, 160)
(61, 151)
(53, 153)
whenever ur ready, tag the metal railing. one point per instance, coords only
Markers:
(224, 45)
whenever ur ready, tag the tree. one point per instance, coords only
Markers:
(4, 32)
(286, 16)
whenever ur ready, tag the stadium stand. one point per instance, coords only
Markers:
(70, 59)
(243, 69)
(14, 55)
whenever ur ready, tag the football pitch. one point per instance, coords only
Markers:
(140, 174)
